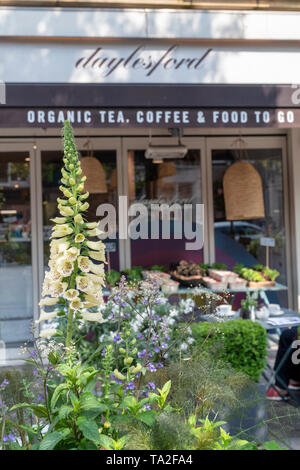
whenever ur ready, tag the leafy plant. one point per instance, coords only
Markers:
(250, 301)
(242, 343)
(134, 274)
(113, 277)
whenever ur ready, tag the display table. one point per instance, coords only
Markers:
(199, 290)
(261, 290)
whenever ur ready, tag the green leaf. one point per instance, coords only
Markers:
(59, 389)
(129, 402)
(147, 417)
(88, 428)
(39, 410)
(64, 411)
(106, 442)
(51, 439)
(88, 401)
(166, 388)
(271, 445)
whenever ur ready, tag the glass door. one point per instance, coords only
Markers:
(170, 180)
(18, 257)
(240, 241)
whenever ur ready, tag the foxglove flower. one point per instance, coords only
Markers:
(73, 281)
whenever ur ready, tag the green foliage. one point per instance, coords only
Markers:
(215, 265)
(250, 301)
(157, 267)
(251, 275)
(241, 343)
(134, 274)
(258, 272)
(112, 277)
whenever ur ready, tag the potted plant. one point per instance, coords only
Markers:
(248, 306)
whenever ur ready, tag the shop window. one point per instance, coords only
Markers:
(170, 181)
(16, 305)
(238, 241)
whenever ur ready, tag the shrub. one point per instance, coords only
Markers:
(242, 343)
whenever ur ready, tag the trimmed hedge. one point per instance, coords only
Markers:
(242, 343)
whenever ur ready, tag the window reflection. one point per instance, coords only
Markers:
(239, 241)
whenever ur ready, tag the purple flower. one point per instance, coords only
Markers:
(160, 365)
(142, 354)
(123, 304)
(130, 386)
(117, 337)
(4, 383)
(140, 336)
(117, 381)
(103, 352)
(164, 346)
(40, 397)
(151, 385)
(10, 437)
(33, 354)
(151, 367)
(35, 372)
(158, 301)
(157, 349)
(145, 301)
(147, 407)
(117, 298)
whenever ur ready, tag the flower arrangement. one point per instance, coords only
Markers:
(74, 282)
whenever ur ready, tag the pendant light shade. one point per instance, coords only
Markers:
(95, 174)
(243, 192)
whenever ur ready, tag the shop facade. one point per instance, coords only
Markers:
(223, 84)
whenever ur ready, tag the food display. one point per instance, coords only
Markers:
(222, 275)
(170, 287)
(158, 276)
(212, 283)
(237, 284)
(188, 273)
(257, 276)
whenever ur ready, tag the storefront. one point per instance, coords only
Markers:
(127, 85)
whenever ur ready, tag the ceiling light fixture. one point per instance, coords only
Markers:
(161, 152)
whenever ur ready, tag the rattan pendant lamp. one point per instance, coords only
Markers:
(243, 190)
(93, 170)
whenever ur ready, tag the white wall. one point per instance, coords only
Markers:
(147, 23)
